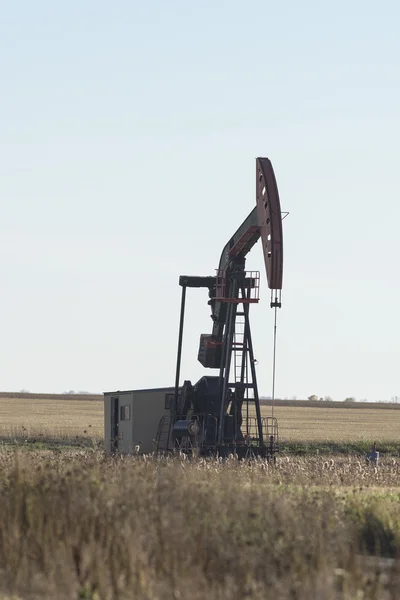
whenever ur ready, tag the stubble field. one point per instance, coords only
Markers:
(77, 525)
(81, 417)
(52, 417)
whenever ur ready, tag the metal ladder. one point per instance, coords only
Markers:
(163, 432)
(239, 350)
(241, 370)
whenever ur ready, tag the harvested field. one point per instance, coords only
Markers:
(336, 424)
(55, 417)
(72, 416)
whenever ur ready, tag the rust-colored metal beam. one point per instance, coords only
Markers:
(270, 222)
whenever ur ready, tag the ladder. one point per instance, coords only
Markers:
(240, 366)
(163, 433)
(239, 348)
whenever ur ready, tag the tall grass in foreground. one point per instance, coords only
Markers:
(76, 525)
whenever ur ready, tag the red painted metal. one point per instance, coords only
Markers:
(251, 288)
(246, 238)
(270, 222)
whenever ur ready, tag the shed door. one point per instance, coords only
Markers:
(125, 425)
(114, 423)
(121, 424)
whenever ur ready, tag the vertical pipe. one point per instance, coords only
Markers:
(274, 364)
(178, 360)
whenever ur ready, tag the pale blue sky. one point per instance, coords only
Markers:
(129, 133)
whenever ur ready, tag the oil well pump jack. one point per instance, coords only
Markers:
(221, 414)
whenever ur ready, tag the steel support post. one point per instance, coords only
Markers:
(180, 338)
(253, 372)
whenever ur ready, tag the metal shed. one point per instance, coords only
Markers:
(131, 419)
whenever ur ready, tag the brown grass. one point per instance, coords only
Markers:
(71, 417)
(55, 417)
(336, 424)
(76, 525)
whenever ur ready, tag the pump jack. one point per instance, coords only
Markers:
(221, 415)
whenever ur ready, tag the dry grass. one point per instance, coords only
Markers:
(71, 417)
(337, 424)
(55, 417)
(76, 525)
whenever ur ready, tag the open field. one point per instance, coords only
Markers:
(77, 525)
(56, 417)
(69, 416)
(336, 424)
